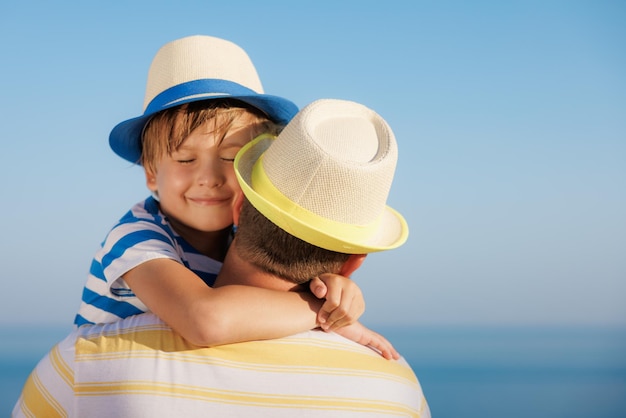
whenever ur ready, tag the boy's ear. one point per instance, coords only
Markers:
(237, 208)
(352, 264)
(151, 182)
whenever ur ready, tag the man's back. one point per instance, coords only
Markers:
(139, 367)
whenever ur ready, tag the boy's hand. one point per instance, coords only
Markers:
(365, 336)
(344, 301)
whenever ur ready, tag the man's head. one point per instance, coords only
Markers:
(323, 185)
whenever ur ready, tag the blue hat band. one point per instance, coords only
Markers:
(208, 87)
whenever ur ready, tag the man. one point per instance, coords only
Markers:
(315, 202)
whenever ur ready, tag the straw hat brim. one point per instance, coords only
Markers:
(391, 230)
(125, 137)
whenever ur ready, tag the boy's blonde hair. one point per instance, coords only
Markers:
(168, 129)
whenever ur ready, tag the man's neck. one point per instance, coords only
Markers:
(239, 271)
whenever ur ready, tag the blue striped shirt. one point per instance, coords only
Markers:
(142, 234)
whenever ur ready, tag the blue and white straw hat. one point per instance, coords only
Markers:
(325, 179)
(192, 69)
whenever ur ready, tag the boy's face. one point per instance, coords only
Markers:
(196, 184)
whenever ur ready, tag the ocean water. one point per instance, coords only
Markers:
(465, 372)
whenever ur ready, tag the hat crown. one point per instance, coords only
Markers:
(336, 159)
(325, 179)
(199, 57)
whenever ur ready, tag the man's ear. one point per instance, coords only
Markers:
(352, 264)
(237, 208)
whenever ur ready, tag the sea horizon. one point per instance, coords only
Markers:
(546, 371)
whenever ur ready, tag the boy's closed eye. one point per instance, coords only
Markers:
(227, 159)
(229, 153)
(183, 157)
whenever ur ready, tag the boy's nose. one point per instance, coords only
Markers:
(210, 175)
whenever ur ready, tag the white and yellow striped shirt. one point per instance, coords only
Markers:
(139, 367)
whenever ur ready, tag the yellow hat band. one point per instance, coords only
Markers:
(304, 224)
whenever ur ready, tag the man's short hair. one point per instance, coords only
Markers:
(275, 251)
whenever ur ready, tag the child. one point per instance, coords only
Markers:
(204, 101)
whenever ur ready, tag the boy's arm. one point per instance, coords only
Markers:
(208, 316)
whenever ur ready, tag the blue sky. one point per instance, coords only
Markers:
(510, 119)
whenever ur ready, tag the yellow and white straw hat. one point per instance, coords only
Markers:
(326, 178)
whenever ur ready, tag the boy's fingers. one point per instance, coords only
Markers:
(318, 288)
(388, 352)
(322, 317)
(345, 314)
(383, 345)
(328, 316)
(339, 317)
